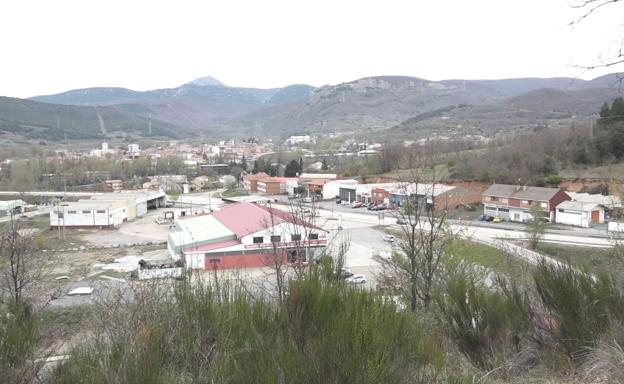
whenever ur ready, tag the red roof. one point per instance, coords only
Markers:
(246, 218)
(256, 176)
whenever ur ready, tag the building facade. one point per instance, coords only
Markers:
(514, 203)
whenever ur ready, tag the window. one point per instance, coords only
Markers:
(295, 237)
(258, 240)
(276, 239)
(71, 212)
(86, 211)
(504, 200)
(503, 210)
(526, 202)
(561, 210)
(313, 236)
(101, 211)
(544, 205)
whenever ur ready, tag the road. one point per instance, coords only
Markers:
(364, 232)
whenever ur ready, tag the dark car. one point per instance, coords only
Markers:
(338, 201)
(345, 273)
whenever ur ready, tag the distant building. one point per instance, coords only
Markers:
(244, 235)
(103, 151)
(112, 185)
(514, 202)
(219, 169)
(273, 185)
(250, 181)
(296, 140)
(133, 150)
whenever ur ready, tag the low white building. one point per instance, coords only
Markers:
(579, 214)
(331, 189)
(88, 214)
(295, 140)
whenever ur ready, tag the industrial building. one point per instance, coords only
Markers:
(244, 235)
(106, 210)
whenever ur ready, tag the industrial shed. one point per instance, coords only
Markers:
(579, 214)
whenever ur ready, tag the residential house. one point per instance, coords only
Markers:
(514, 202)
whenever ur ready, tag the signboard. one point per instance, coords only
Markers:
(288, 244)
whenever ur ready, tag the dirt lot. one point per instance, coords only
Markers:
(141, 230)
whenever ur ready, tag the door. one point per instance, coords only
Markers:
(595, 217)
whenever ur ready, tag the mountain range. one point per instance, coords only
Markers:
(387, 105)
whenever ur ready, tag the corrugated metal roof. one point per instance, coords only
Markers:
(246, 218)
(203, 227)
(606, 201)
(521, 192)
(578, 206)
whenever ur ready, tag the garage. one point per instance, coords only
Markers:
(579, 214)
(347, 194)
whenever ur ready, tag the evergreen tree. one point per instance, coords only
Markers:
(324, 167)
(605, 111)
(244, 163)
(292, 169)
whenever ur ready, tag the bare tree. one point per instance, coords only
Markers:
(589, 8)
(425, 236)
(22, 266)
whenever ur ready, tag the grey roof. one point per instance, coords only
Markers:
(578, 206)
(521, 192)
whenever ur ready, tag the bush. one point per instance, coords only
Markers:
(324, 332)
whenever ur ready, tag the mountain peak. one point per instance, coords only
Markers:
(207, 81)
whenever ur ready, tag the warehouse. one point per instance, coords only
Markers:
(244, 235)
(88, 214)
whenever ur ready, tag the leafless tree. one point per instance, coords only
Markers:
(23, 266)
(424, 237)
(589, 8)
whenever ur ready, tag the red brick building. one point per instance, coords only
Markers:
(514, 202)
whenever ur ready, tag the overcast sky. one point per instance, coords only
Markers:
(52, 46)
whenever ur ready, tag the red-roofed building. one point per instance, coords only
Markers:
(244, 235)
(250, 181)
(273, 185)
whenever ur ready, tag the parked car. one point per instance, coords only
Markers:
(497, 219)
(345, 273)
(345, 202)
(356, 279)
(338, 201)
(357, 204)
(307, 199)
(389, 238)
(484, 218)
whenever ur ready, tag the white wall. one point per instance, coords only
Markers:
(332, 189)
(576, 218)
(614, 226)
(93, 218)
(285, 230)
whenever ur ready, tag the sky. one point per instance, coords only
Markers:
(53, 46)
